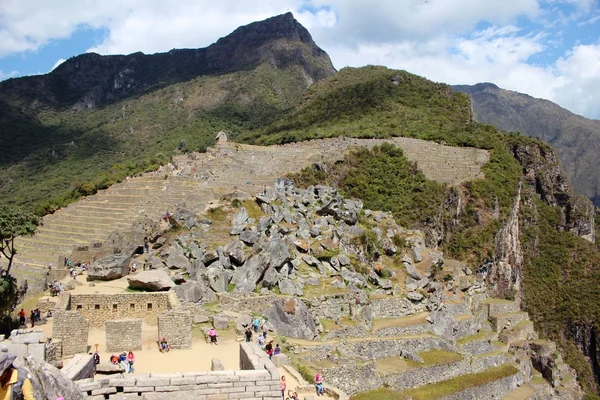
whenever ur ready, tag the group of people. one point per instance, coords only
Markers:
(56, 288)
(125, 359)
(35, 315)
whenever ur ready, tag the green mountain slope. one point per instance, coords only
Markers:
(575, 139)
(55, 150)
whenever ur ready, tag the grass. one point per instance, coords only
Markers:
(479, 336)
(412, 320)
(330, 325)
(391, 365)
(461, 383)
(380, 394)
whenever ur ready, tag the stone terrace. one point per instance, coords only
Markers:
(488, 342)
(198, 178)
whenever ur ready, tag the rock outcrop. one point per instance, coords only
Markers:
(291, 318)
(109, 268)
(48, 382)
(152, 281)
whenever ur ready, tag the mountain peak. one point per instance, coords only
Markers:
(283, 26)
(88, 80)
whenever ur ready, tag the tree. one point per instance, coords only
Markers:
(15, 222)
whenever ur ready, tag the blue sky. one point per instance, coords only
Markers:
(546, 48)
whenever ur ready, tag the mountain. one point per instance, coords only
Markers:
(519, 226)
(96, 119)
(89, 80)
(575, 139)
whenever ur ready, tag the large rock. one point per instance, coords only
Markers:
(288, 287)
(177, 259)
(235, 251)
(246, 277)
(279, 252)
(151, 281)
(249, 237)
(297, 322)
(240, 218)
(195, 292)
(217, 279)
(109, 268)
(342, 210)
(183, 217)
(47, 381)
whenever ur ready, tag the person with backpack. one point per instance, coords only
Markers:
(14, 382)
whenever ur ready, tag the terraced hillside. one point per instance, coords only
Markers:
(474, 348)
(198, 178)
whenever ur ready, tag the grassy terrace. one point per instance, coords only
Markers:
(392, 365)
(412, 320)
(461, 383)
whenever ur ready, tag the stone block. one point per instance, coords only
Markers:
(153, 382)
(280, 360)
(183, 381)
(216, 365)
(138, 389)
(106, 390)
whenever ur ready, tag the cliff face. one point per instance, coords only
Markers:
(575, 139)
(89, 80)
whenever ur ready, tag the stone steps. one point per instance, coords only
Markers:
(506, 321)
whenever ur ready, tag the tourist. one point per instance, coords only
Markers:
(146, 245)
(269, 349)
(256, 323)
(319, 384)
(164, 346)
(96, 358)
(264, 330)
(213, 336)
(114, 359)
(248, 335)
(32, 318)
(283, 387)
(293, 395)
(21, 317)
(130, 362)
(261, 341)
(123, 360)
(277, 350)
(14, 383)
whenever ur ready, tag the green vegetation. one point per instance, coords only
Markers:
(461, 383)
(380, 394)
(15, 222)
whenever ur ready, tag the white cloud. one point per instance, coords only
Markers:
(434, 38)
(57, 63)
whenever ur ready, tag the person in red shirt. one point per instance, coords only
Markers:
(22, 317)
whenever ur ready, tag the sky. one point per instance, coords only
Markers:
(545, 48)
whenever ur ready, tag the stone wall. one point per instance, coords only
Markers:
(72, 328)
(258, 380)
(394, 307)
(123, 335)
(99, 308)
(23, 341)
(176, 327)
